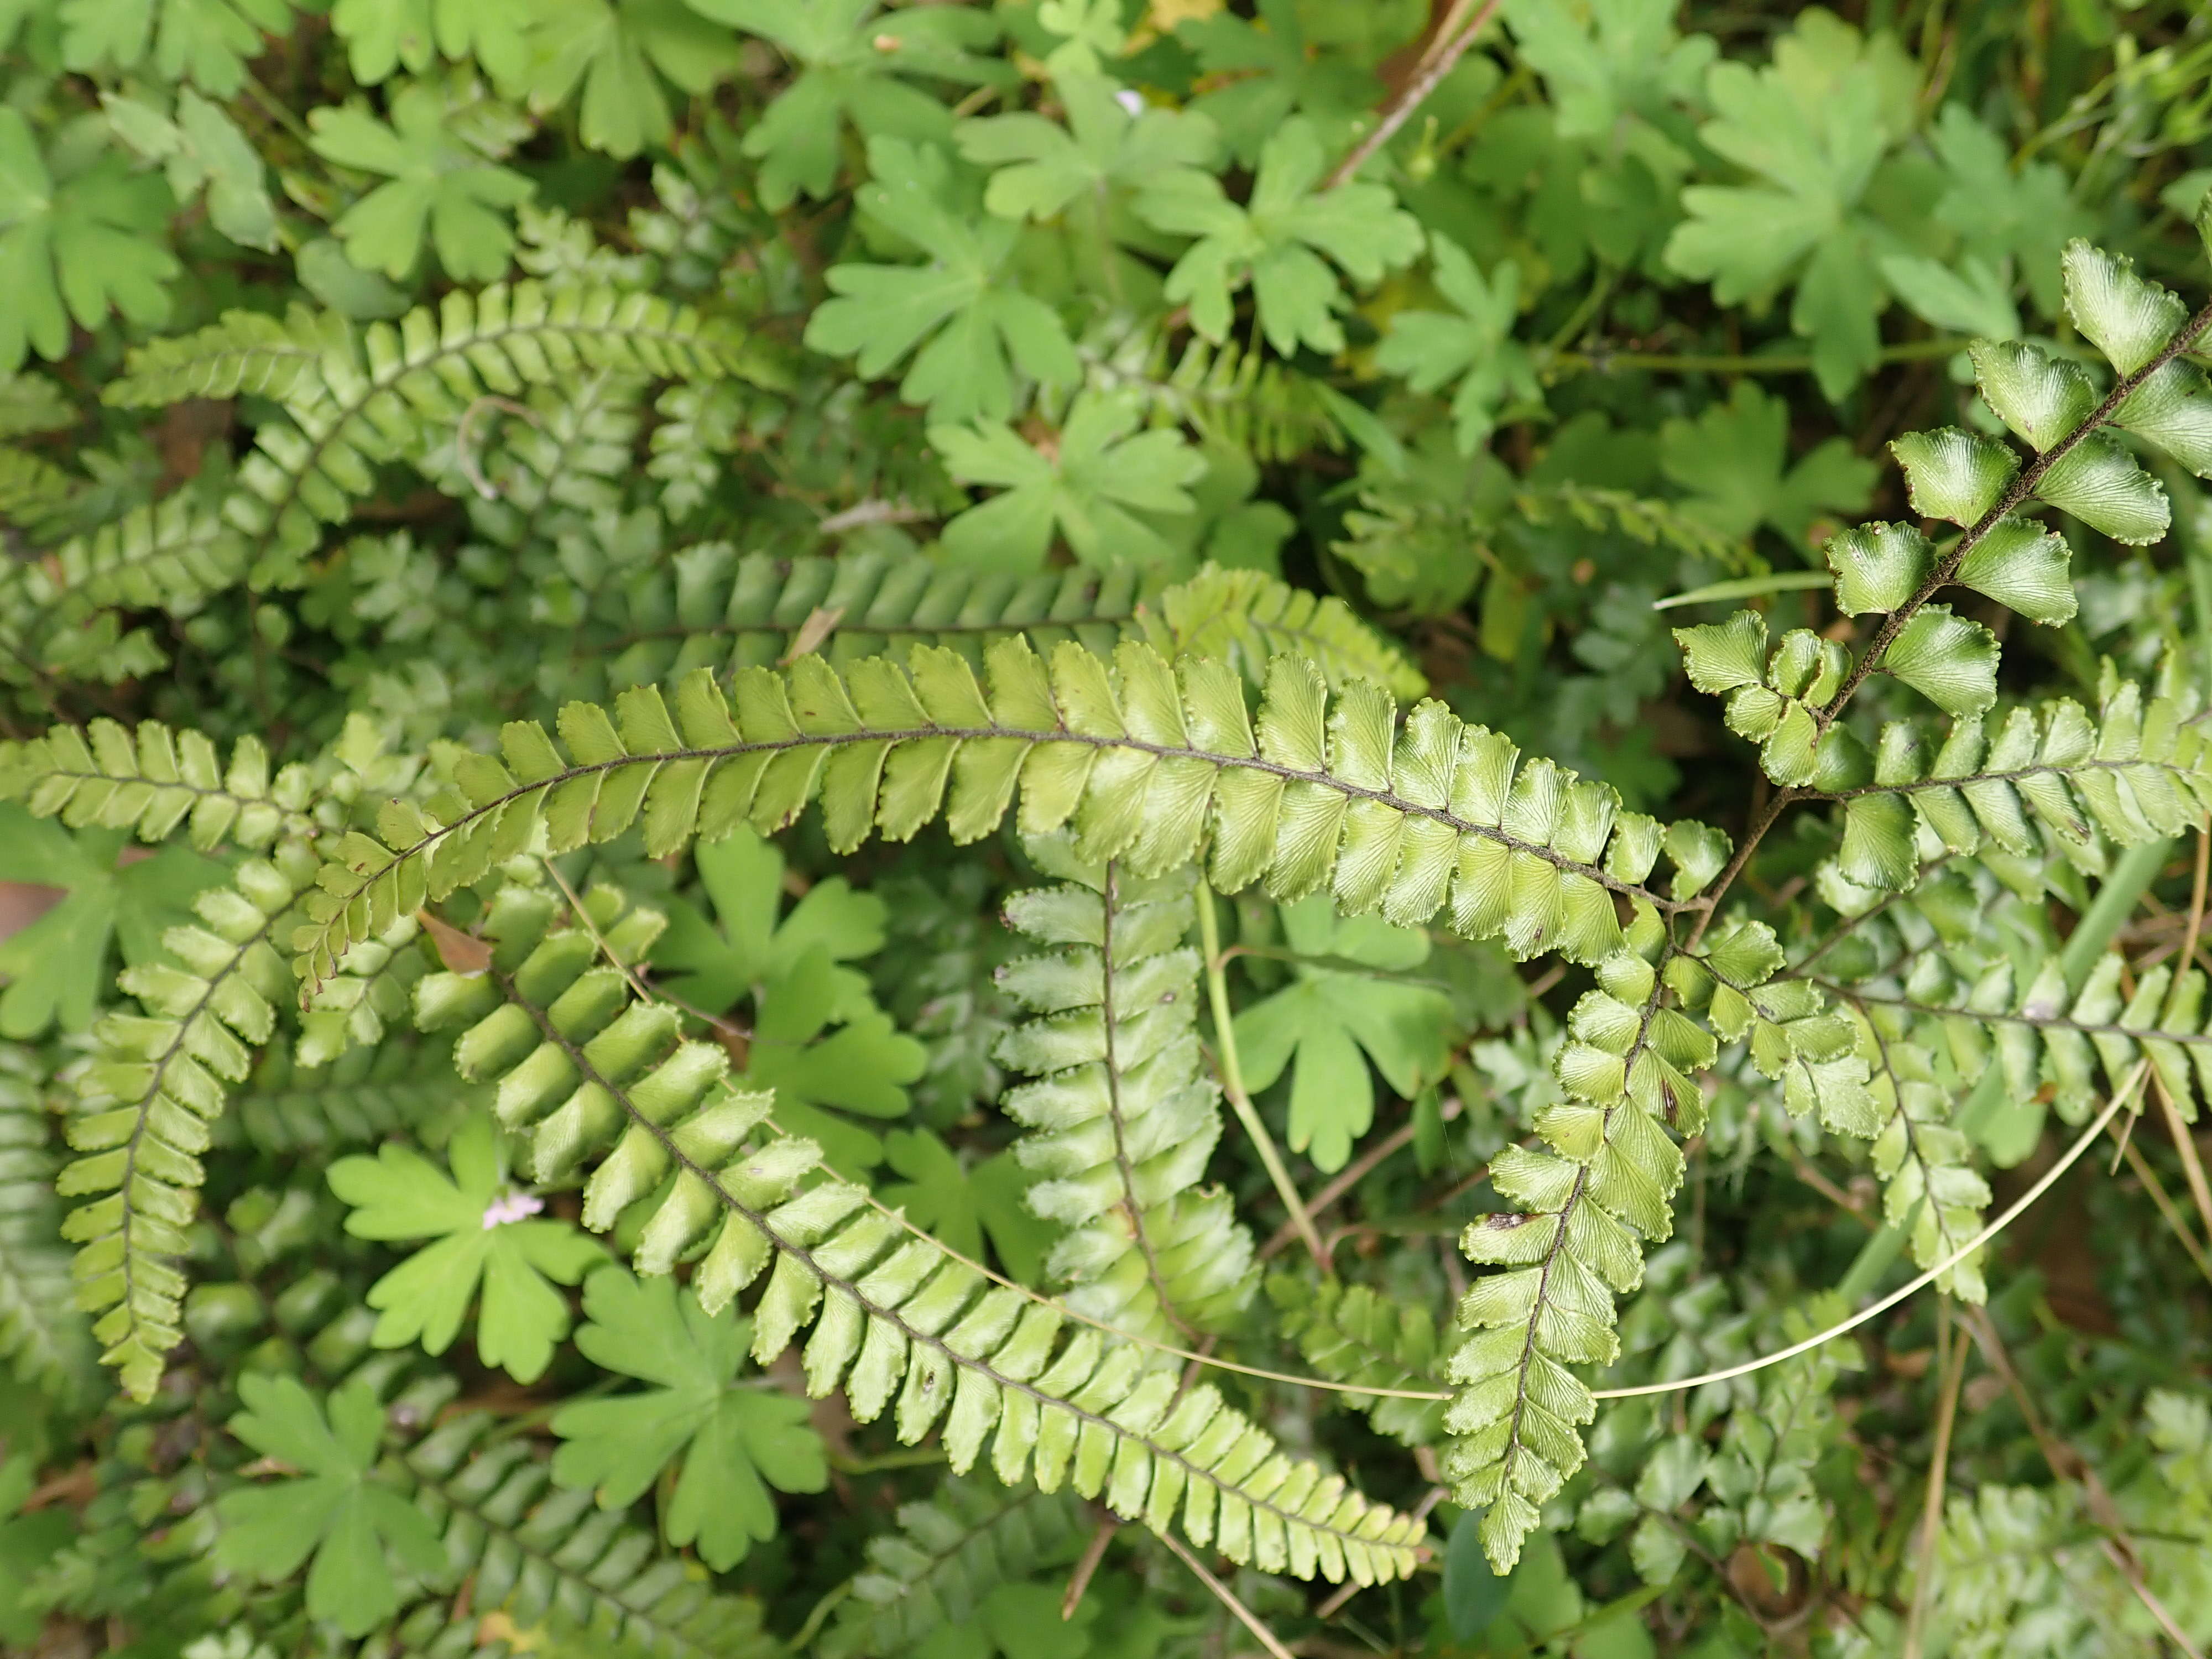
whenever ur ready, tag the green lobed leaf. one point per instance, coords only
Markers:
(729, 1441)
(482, 1241)
(356, 1534)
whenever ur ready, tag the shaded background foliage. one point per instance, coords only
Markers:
(927, 323)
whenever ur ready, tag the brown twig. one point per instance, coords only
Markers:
(1227, 1597)
(1093, 1553)
(1409, 98)
(1931, 1512)
(1353, 1174)
(1836, 1195)
(2184, 1143)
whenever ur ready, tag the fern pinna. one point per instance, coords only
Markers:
(1135, 746)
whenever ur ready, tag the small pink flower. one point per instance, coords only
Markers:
(511, 1206)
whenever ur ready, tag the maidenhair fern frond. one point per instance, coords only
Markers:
(1148, 762)
(364, 1095)
(2139, 771)
(352, 398)
(153, 780)
(950, 1550)
(1242, 398)
(709, 606)
(1355, 1334)
(158, 1079)
(43, 1338)
(1122, 1115)
(1246, 617)
(549, 1559)
(1607, 1181)
(694, 1170)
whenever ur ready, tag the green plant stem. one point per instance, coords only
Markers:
(1600, 287)
(1744, 588)
(819, 1616)
(1232, 1079)
(275, 108)
(917, 1457)
(2164, 1205)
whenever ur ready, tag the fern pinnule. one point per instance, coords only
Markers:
(360, 1098)
(152, 779)
(1356, 1334)
(549, 1558)
(710, 607)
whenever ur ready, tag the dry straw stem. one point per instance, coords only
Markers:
(1931, 1510)
(1424, 81)
(2184, 1142)
(2121, 1097)
(1233, 1080)
(1228, 1598)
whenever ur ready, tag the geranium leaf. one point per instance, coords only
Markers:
(481, 1238)
(361, 1534)
(729, 1441)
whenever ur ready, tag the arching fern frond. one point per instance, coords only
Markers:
(243, 353)
(152, 779)
(352, 398)
(1248, 617)
(563, 453)
(1122, 1115)
(1249, 400)
(898, 1324)
(372, 393)
(1606, 1180)
(32, 488)
(2139, 771)
(950, 1550)
(1930, 1185)
(365, 1095)
(42, 1336)
(168, 556)
(1147, 762)
(356, 1006)
(500, 338)
(709, 606)
(552, 1562)
(159, 1078)
(1354, 1334)
(1984, 486)
(2042, 1037)
(1654, 523)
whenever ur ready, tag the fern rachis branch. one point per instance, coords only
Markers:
(710, 1179)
